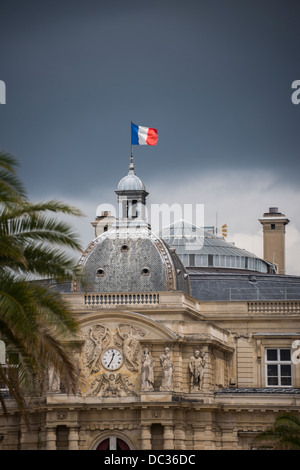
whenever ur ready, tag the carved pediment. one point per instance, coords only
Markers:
(143, 327)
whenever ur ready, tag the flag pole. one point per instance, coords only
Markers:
(131, 156)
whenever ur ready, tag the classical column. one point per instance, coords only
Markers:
(51, 438)
(168, 437)
(146, 437)
(73, 438)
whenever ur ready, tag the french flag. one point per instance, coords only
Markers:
(143, 135)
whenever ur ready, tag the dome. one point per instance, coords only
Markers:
(139, 262)
(200, 249)
(131, 182)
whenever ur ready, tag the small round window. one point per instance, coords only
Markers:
(124, 247)
(100, 272)
(145, 272)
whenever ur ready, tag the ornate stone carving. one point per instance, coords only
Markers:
(112, 385)
(97, 339)
(196, 367)
(148, 365)
(126, 339)
(168, 371)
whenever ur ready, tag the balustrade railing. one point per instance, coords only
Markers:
(121, 299)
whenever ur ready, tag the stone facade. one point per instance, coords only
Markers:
(231, 405)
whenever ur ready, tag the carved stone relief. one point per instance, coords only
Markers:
(98, 338)
(102, 380)
(126, 339)
(112, 385)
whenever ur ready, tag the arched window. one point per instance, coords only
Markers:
(113, 443)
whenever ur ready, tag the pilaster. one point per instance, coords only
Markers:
(146, 437)
(168, 437)
(51, 438)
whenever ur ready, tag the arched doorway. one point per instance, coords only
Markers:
(112, 443)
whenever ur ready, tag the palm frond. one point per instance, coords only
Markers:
(284, 434)
(11, 187)
(35, 322)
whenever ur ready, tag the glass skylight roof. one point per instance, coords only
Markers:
(199, 247)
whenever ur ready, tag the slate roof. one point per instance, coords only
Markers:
(230, 286)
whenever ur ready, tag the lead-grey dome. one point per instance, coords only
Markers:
(131, 182)
(139, 262)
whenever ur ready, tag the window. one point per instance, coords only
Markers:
(134, 209)
(113, 443)
(10, 366)
(124, 248)
(272, 226)
(191, 260)
(145, 272)
(100, 272)
(278, 367)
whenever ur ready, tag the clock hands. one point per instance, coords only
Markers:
(111, 359)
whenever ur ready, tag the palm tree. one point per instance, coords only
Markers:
(283, 435)
(35, 322)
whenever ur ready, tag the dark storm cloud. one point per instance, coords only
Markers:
(214, 77)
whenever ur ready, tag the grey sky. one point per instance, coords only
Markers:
(214, 77)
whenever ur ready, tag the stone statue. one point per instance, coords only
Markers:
(168, 371)
(148, 365)
(54, 380)
(196, 367)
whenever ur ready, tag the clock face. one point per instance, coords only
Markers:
(112, 359)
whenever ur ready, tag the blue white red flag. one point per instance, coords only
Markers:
(143, 135)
